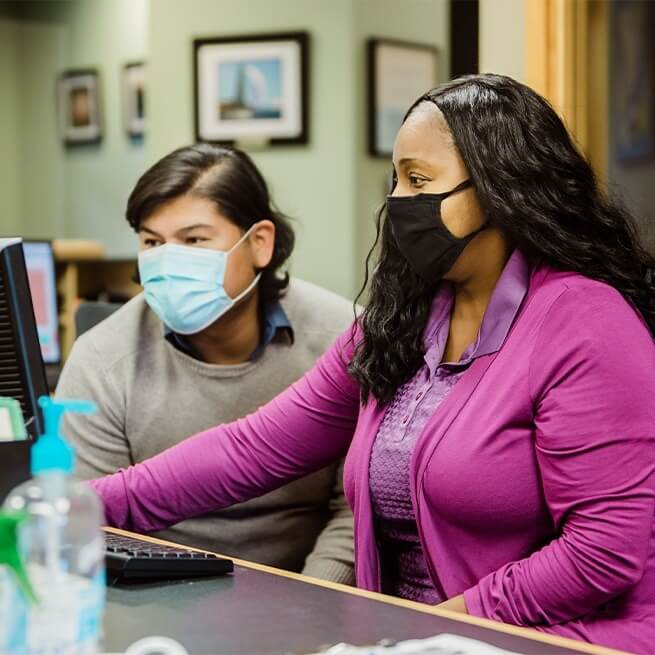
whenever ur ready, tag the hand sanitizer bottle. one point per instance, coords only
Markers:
(61, 544)
(15, 588)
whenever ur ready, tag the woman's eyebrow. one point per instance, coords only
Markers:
(406, 162)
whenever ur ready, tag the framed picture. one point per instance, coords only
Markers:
(78, 100)
(633, 96)
(398, 73)
(252, 89)
(134, 76)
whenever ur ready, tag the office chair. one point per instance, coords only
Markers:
(89, 314)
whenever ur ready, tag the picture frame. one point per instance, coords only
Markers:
(133, 93)
(398, 73)
(79, 107)
(252, 89)
(633, 82)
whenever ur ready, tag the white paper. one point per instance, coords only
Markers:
(444, 644)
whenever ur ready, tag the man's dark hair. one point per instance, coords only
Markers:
(229, 178)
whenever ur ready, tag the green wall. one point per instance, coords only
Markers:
(49, 190)
(314, 183)
(331, 187)
(422, 21)
(9, 128)
(43, 52)
(31, 175)
(105, 34)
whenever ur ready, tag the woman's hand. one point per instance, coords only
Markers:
(454, 604)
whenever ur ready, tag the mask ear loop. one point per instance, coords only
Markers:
(247, 290)
(243, 238)
(252, 285)
(460, 187)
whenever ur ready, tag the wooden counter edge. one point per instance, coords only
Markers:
(526, 633)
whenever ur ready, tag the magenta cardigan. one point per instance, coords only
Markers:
(533, 483)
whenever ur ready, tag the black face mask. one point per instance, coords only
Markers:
(427, 244)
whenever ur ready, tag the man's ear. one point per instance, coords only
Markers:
(262, 243)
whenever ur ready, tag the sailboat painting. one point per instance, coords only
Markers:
(252, 89)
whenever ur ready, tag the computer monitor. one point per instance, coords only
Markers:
(22, 374)
(40, 263)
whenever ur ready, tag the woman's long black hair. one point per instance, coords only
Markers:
(534, 185)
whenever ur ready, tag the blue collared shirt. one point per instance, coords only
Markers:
(276, 324)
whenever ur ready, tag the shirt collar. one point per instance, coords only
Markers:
(504, 304)
(276, 324)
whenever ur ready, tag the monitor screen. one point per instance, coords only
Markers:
(22, 376)
(40, 264)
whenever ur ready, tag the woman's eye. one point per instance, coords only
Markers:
(150, 243)
(416, 181)
(192, 241)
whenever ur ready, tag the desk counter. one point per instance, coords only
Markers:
(259, 610)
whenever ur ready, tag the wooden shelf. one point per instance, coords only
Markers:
(84, 272)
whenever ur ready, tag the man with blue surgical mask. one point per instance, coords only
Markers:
(218, 332)
(185, 285)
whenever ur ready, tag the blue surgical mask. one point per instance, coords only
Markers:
(184, 285)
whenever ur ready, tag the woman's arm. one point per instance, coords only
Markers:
(593, 383)
(298, 432)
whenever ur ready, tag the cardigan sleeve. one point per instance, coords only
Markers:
(592, 382)
(300, 431)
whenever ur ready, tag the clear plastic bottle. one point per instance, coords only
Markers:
(16, 592)
(61, 544)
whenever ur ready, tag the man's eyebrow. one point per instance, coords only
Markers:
(195, 226)
(149, 231)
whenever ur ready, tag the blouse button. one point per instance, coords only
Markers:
(405, 420)
(419, 395)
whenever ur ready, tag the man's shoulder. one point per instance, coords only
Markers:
(312, 308)
(129, 329)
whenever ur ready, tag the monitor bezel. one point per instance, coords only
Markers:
(12, 263)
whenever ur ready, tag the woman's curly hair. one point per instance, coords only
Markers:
(536, 187)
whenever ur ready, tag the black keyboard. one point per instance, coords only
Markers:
(133, 559)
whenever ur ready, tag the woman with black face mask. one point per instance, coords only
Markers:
(494, 399)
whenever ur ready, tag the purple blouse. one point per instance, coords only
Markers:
(404, 570)
(534, 482)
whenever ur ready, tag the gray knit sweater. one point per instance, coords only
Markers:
(151, 395)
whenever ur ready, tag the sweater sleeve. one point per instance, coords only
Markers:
(333, 555)
(100, 442)
(592, 384)
(300, 431)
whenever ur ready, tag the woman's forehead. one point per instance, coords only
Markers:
(424, 136)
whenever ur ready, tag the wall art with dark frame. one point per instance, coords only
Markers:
(632, 101)
(398, 73)
(133, 94)
(78, 105)
(252, 89)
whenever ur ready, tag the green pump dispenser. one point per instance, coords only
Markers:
(9, 554)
